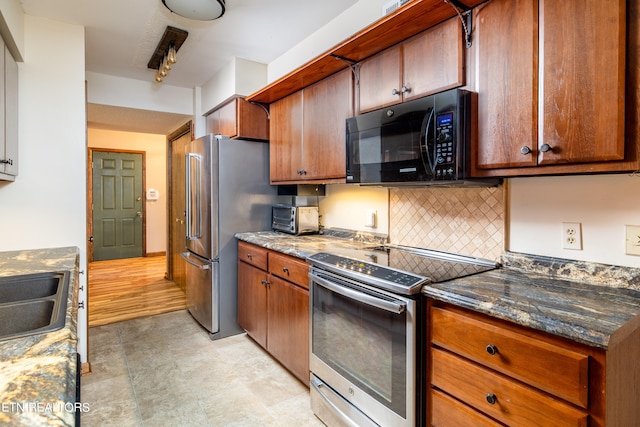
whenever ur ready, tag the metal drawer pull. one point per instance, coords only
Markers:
(250, 256)
(285, 269)
(492, 349)
(491, 398)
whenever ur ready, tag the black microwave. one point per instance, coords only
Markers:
(426, 141)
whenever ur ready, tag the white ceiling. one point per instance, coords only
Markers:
(121, 36)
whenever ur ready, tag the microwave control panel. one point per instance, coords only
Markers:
(445, 147)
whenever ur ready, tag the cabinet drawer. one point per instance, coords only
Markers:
(559, 371)
(514, 404)
(448, 412)
(289, 268)
(252, 254)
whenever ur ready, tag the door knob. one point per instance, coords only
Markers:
(139, 214)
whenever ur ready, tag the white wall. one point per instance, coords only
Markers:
(346, 205)
(239, 77)
(604, 204)
(349, 22)
(145, 95)
(46, 205)
(155, 148)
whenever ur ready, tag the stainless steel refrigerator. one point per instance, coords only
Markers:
(228, 191)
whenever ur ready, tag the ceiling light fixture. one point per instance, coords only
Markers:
(200, 10)
(164, 56)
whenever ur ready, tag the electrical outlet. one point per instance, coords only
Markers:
(632, 245)
(572, 235)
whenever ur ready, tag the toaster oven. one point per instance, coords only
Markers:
(295, 219)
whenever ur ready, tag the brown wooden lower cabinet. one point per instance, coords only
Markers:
(273, 305)
(488, 372)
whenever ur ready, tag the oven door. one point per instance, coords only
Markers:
(362, 352)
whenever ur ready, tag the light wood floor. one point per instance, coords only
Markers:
(129, 288)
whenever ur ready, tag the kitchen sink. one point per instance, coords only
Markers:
(32, 304)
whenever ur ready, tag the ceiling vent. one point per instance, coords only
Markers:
(392, 6)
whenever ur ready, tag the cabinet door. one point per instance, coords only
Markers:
(506, 37)
(252, 302)
(289, 326)
(433, 61)
(327, 105)
(11, 113)
(285, 145)
(253, 121)
(583, 53)
(380, 80)
(226, 123)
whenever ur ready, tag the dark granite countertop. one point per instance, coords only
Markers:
(38, 372)
(309, 244)
(586, 302)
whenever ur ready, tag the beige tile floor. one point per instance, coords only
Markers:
(165, 371)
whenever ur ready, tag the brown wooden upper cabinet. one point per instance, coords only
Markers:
(551, 86)
(429, 62)
(239, 119)
(308, 132)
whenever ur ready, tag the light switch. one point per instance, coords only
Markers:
(370, 219)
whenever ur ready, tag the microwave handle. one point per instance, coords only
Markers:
(393, 307)
(427, 160)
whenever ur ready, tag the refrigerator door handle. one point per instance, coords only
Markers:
(202, 266)
(194, 196)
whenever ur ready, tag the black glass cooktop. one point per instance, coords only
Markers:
(400, 268)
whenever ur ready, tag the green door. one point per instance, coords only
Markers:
(117, 205)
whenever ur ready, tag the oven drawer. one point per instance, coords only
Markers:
(498, 396)
(289, 268)
(554, 369)
(252, 254)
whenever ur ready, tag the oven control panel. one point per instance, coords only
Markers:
(373, 270)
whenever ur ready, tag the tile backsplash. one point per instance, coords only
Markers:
(469, 221)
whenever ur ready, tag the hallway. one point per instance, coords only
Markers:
(130, 288)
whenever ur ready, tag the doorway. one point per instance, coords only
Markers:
(117, 205)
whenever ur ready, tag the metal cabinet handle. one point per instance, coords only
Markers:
(545, 147)
(250, 256)
(405, 89)
(285, 269)
(491, 398)
(492, 349)
(525, 150)
(7, 162)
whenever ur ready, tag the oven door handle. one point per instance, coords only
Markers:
(393, 307)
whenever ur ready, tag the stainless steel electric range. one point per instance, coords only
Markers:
(367, 331)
